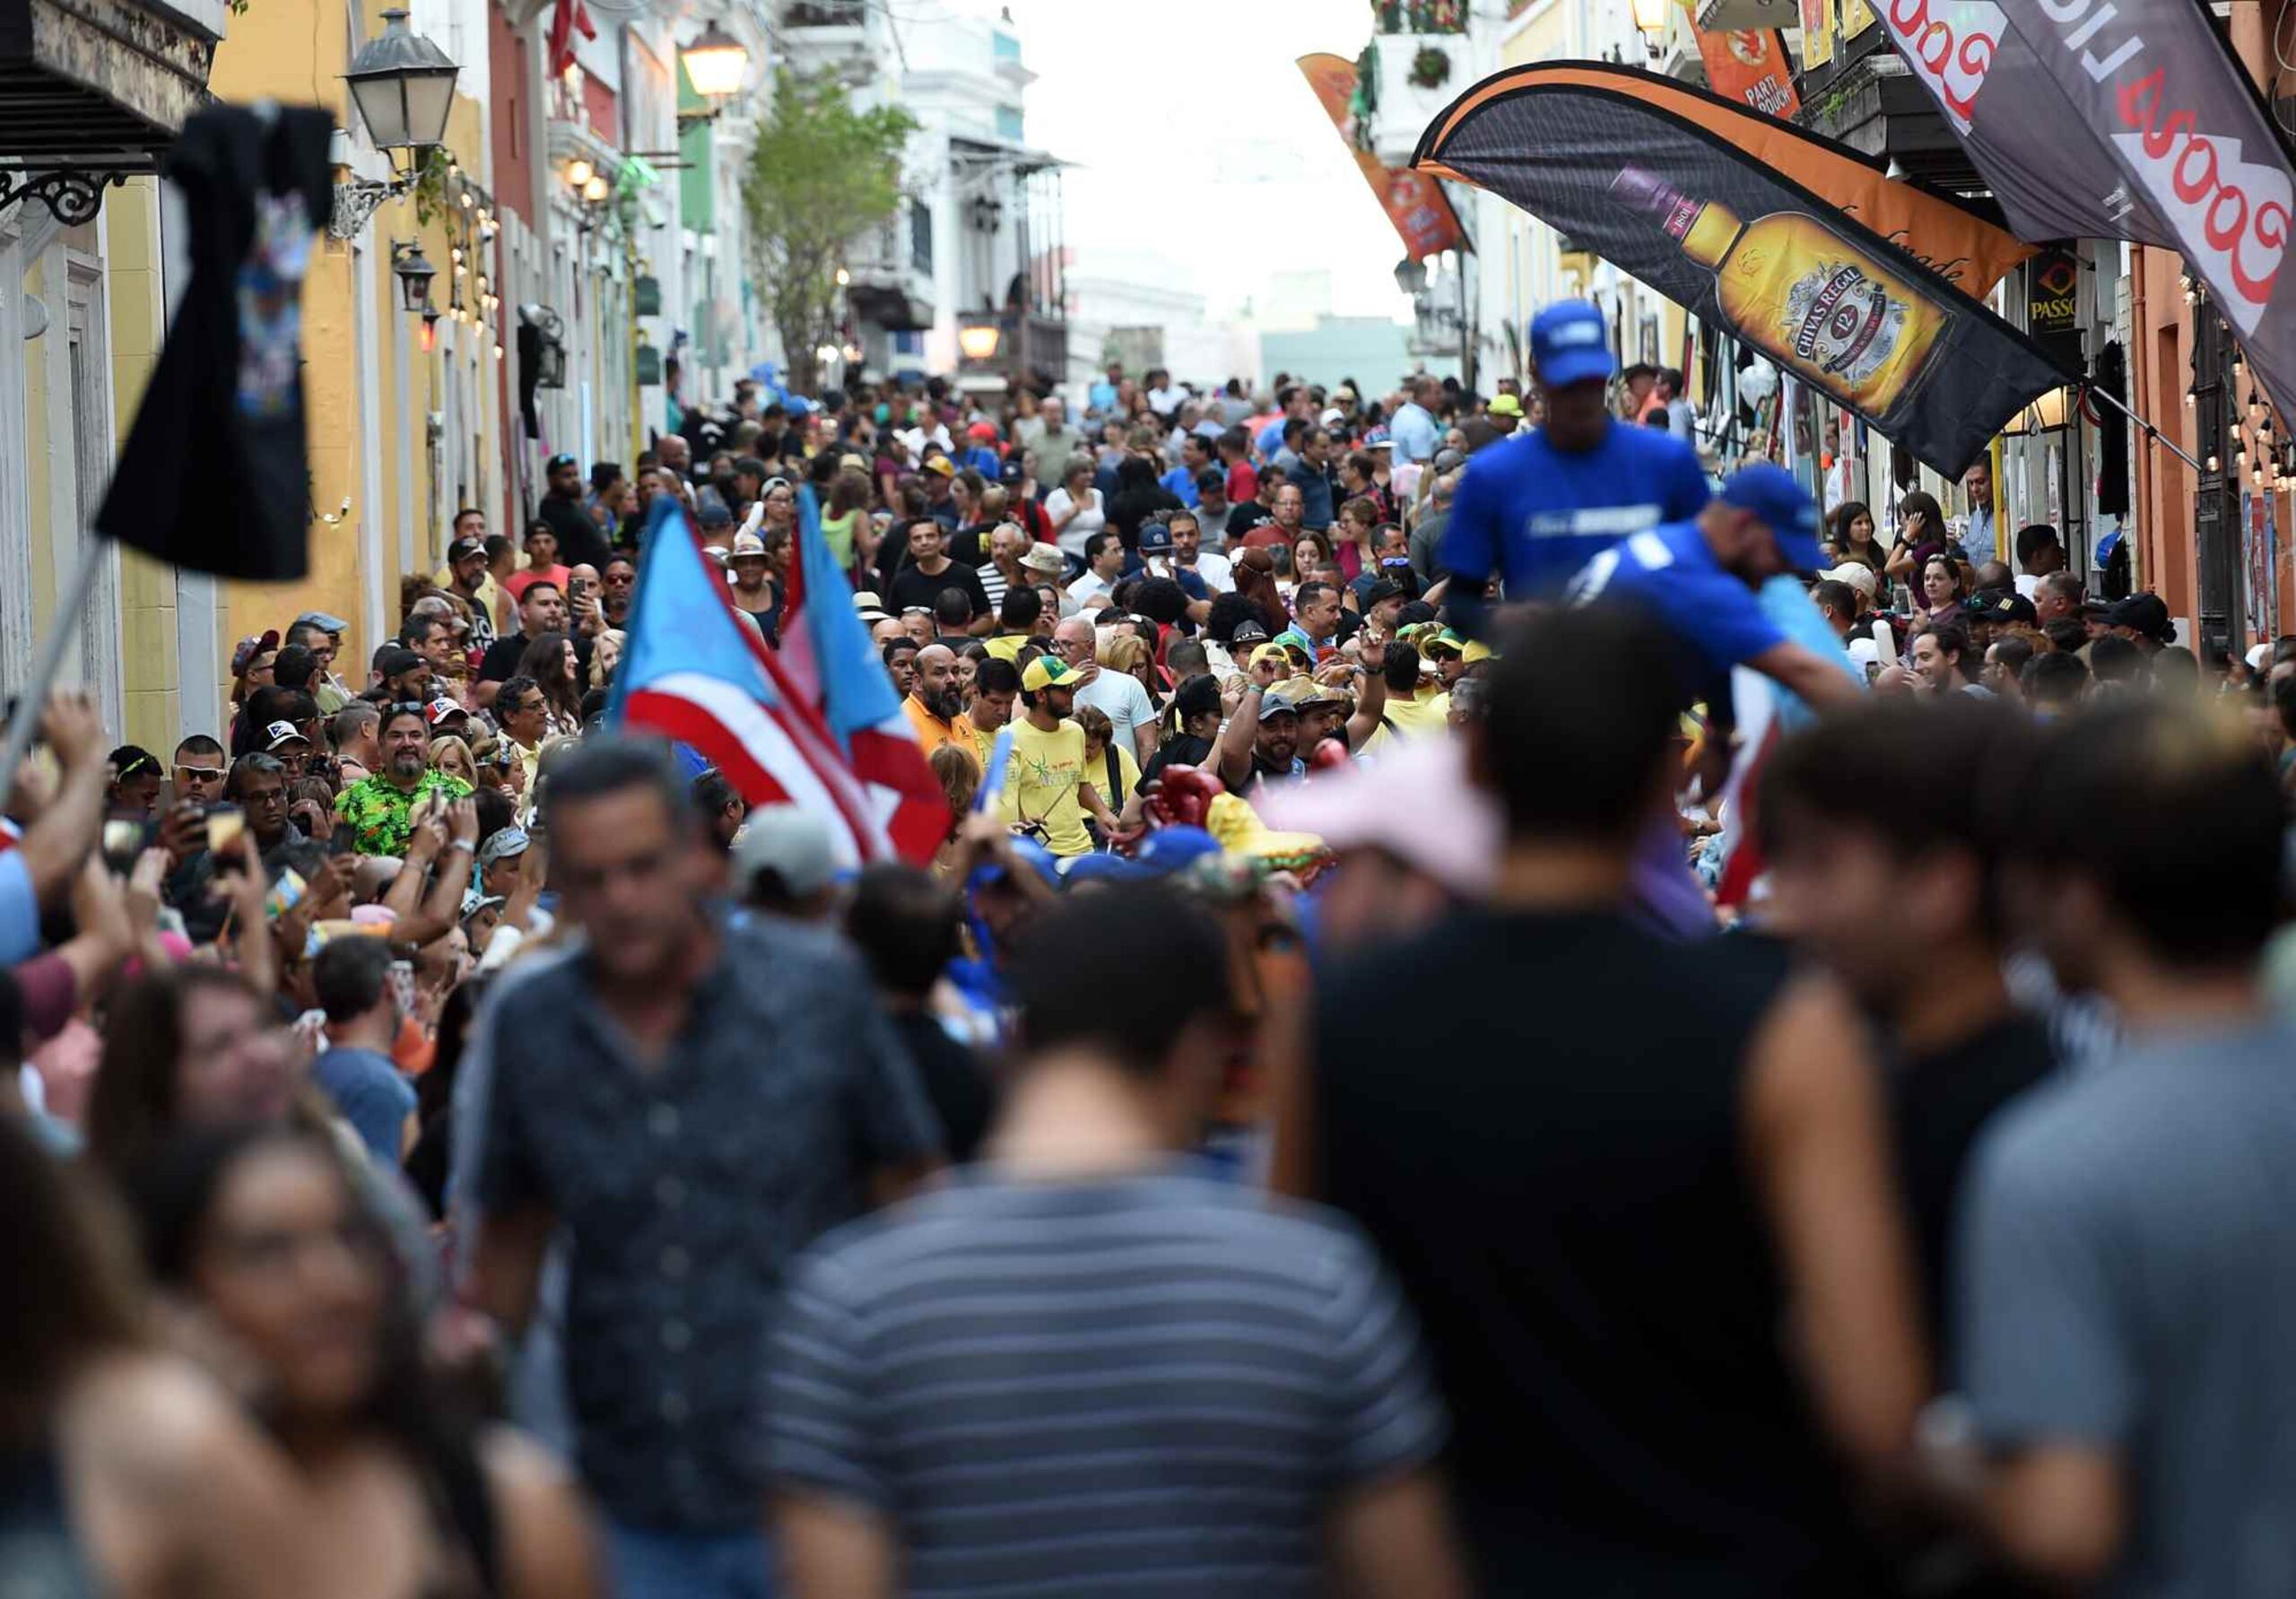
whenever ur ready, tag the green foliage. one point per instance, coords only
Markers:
(821, 175)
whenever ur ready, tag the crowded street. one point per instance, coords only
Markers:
(744, 855)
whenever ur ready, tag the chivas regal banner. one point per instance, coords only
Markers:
(1414, 203)
(2120, 119)
(1865, 289)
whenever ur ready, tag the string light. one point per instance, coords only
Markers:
(2214, 465)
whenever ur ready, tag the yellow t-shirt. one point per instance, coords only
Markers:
(1040, 785)
(1005, 646)
(1405, 720)
(1096, 776)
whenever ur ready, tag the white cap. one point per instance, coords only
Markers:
(791, 842)
(1858, 576)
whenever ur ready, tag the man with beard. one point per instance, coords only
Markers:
(1262, 739)
(578, 538)
(936, 704)
(1045, 794)
(381, 810)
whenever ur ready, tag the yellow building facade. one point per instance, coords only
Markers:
(399, 435)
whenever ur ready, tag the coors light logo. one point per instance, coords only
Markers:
(1950, 47)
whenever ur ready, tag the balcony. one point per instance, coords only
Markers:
(890, 273)
(1866, 98)
(1420, 16)
(93, 89)
(1413, 77)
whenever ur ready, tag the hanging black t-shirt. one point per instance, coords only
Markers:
(214, 476)
(1548, 1143)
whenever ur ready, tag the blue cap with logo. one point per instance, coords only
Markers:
(1780, 502)
(1571, 343)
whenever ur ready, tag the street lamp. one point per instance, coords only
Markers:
(578, 173)
(717, 62)
(404, 86)
(979, 340)
(415, 274)
(1651, 16)
(595, 189)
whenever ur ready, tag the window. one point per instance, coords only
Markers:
(1008, 123)
(920, 237)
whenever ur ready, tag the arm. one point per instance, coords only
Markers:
(2059, 1511)
(243, 881)
(1393, 1540)
(835, 1549)
(1371, 693)
(1232, 758)
(1822, 684)
(505, 1274)
(1147, 736)
(54, 846)
(442, 905)
(547, 1538)
(1819, 1148)
(405, 892)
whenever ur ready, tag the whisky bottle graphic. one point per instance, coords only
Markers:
(1802, 292)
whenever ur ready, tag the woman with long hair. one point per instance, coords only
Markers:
(958, 772)
(187, 1047)
(125, 1473)
(844, 520)
(1253, 570)
(550, 660)
(1132, 656)
(262, 1239)
(1921, 534)
(1850, 536)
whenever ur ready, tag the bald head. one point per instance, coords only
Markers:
(1075, 630)
(936, 681)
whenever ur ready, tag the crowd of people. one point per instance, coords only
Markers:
(1501, 1011)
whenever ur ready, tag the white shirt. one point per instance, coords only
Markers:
(1092, 519)
(1124, 702)
(1088, 588)
(1218, 572)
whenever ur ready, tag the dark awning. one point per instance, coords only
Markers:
(96, 86)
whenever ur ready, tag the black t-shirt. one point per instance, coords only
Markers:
(1546, 1142)
(1182, 751)
(1938, 1104)
(912, 586)
(963, 1096)
(499, 664)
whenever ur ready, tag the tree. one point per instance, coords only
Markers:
(822, 175)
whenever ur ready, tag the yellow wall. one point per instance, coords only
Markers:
(288, 53)
(137, 293)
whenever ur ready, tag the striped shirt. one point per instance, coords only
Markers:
(1147, 1384)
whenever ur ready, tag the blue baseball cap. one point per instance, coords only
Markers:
(1571, 343)
(1781, 504)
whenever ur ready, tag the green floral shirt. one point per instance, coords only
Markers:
(381, 816)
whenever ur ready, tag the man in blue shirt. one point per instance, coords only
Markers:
(1702, 579)
(352, 976)
(1535, 509)
(1413, 427)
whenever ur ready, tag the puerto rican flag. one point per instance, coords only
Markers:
(694, 671)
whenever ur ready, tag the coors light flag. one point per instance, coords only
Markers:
(2121, 119)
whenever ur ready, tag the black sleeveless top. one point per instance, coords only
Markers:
(1538, 1120)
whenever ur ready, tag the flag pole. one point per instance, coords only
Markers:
(70, 600)
(2151, 432)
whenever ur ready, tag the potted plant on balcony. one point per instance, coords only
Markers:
(1431, 68)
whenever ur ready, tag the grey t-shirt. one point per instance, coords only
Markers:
(1123, 700)
(1147, 1384)
(2127, 1272)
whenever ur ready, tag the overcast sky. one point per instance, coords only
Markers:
(1193, 138)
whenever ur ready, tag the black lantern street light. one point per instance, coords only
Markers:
(415, 274)
(404, 86)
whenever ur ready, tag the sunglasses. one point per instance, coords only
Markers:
(199, 774)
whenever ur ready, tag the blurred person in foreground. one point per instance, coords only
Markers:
(612, 1092)
(1676, 1377)
(2128, 1234)
(125, 1472)
(1087, 1368)
(272, 1260)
